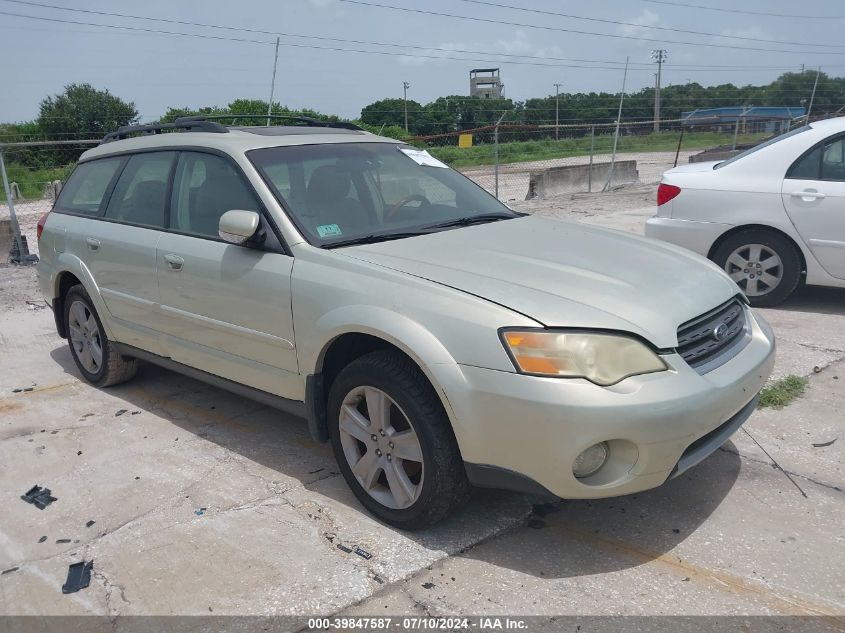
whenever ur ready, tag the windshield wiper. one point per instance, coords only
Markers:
(475, 219)
(373, 238)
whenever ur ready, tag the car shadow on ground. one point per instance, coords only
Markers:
(583, 538)
(816, 300)
(577, 537)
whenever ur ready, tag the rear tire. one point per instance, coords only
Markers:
(406, 456)
(96, 357)
(764, 264)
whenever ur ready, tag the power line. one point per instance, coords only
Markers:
(644, 26)
(342, 40)
(746, 12)
(313, 46)
(579, 32)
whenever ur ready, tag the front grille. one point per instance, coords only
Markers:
(715, 337)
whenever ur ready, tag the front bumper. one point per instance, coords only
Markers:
(696, 236)
(534, 428)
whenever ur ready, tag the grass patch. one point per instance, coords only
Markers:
(782, 392)
(522, 151)
(32, 180)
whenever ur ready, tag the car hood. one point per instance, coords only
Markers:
(695, 167)
(564, 274)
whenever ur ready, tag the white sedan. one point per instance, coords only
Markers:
(772, 217)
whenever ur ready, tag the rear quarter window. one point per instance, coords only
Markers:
(83, 193)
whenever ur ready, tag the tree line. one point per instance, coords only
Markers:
(84, 112)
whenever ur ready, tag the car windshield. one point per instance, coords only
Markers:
(757, 148)
(345, 193)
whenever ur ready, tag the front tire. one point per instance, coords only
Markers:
(394, 443)
(95, 355)
(764, 264)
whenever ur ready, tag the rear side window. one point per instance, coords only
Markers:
(806, 167)
(826, 161)
(204, 188)
(84, 190)
(833, 160)
(140, 194)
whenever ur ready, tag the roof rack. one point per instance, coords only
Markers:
(306, 120)
(182, 123)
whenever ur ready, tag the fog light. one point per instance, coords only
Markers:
(590, 460)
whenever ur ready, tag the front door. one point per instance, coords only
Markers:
(814, 197)
(226, 308)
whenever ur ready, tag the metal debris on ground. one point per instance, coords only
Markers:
(78, 577)
(36, 305)
(9, 571)
(119, 412)
(39, 497)
(824, 444)
(363, 553)
(42, 539)
(22, 389)
(343, 548)
(200, 512)
(62, 541)
(89, 524)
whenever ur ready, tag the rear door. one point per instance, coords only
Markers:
(121, 248)
(813, 194)
(227, 308)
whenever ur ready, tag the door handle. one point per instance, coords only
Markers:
(93, 243)
(807, 195)
(174, 262)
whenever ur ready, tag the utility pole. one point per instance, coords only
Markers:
(659, 55)
(557, 110)
(405, 86)
(813, 96)
(273, 83)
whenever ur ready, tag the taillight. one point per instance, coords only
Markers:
(39, 229)
(666, 192)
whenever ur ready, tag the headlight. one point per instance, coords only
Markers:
(604, 359)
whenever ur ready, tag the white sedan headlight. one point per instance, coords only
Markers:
(604, 359)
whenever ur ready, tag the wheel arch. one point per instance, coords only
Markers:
(72, 272)
(759, 227)
(347, 342)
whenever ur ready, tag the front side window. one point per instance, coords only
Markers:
(140, 194)
(337, 193)
(84, 190)
(204, 188)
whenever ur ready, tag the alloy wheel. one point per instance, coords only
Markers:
(756, 268)
(381, 447)
(85, 336)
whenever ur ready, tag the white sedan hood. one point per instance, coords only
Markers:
(563, 274)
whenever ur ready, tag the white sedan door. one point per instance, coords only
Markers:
(814, 197)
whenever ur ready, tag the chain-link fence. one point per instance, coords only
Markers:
(33, 174)
(514, 162)
(519, 162)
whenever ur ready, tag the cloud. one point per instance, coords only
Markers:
(638, 24)
(520, 44)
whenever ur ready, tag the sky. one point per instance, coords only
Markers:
(321, 66)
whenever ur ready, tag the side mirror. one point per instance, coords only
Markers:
(236, 226)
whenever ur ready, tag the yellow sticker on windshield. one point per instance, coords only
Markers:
(328, 230)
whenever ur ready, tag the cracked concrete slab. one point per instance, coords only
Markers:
(202, 502)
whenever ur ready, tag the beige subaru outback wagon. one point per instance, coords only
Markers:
(436, 338)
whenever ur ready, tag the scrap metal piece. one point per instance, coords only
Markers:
(39, 497)
(78, 577)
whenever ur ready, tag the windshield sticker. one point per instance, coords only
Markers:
(328, 230)
(422, 157)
